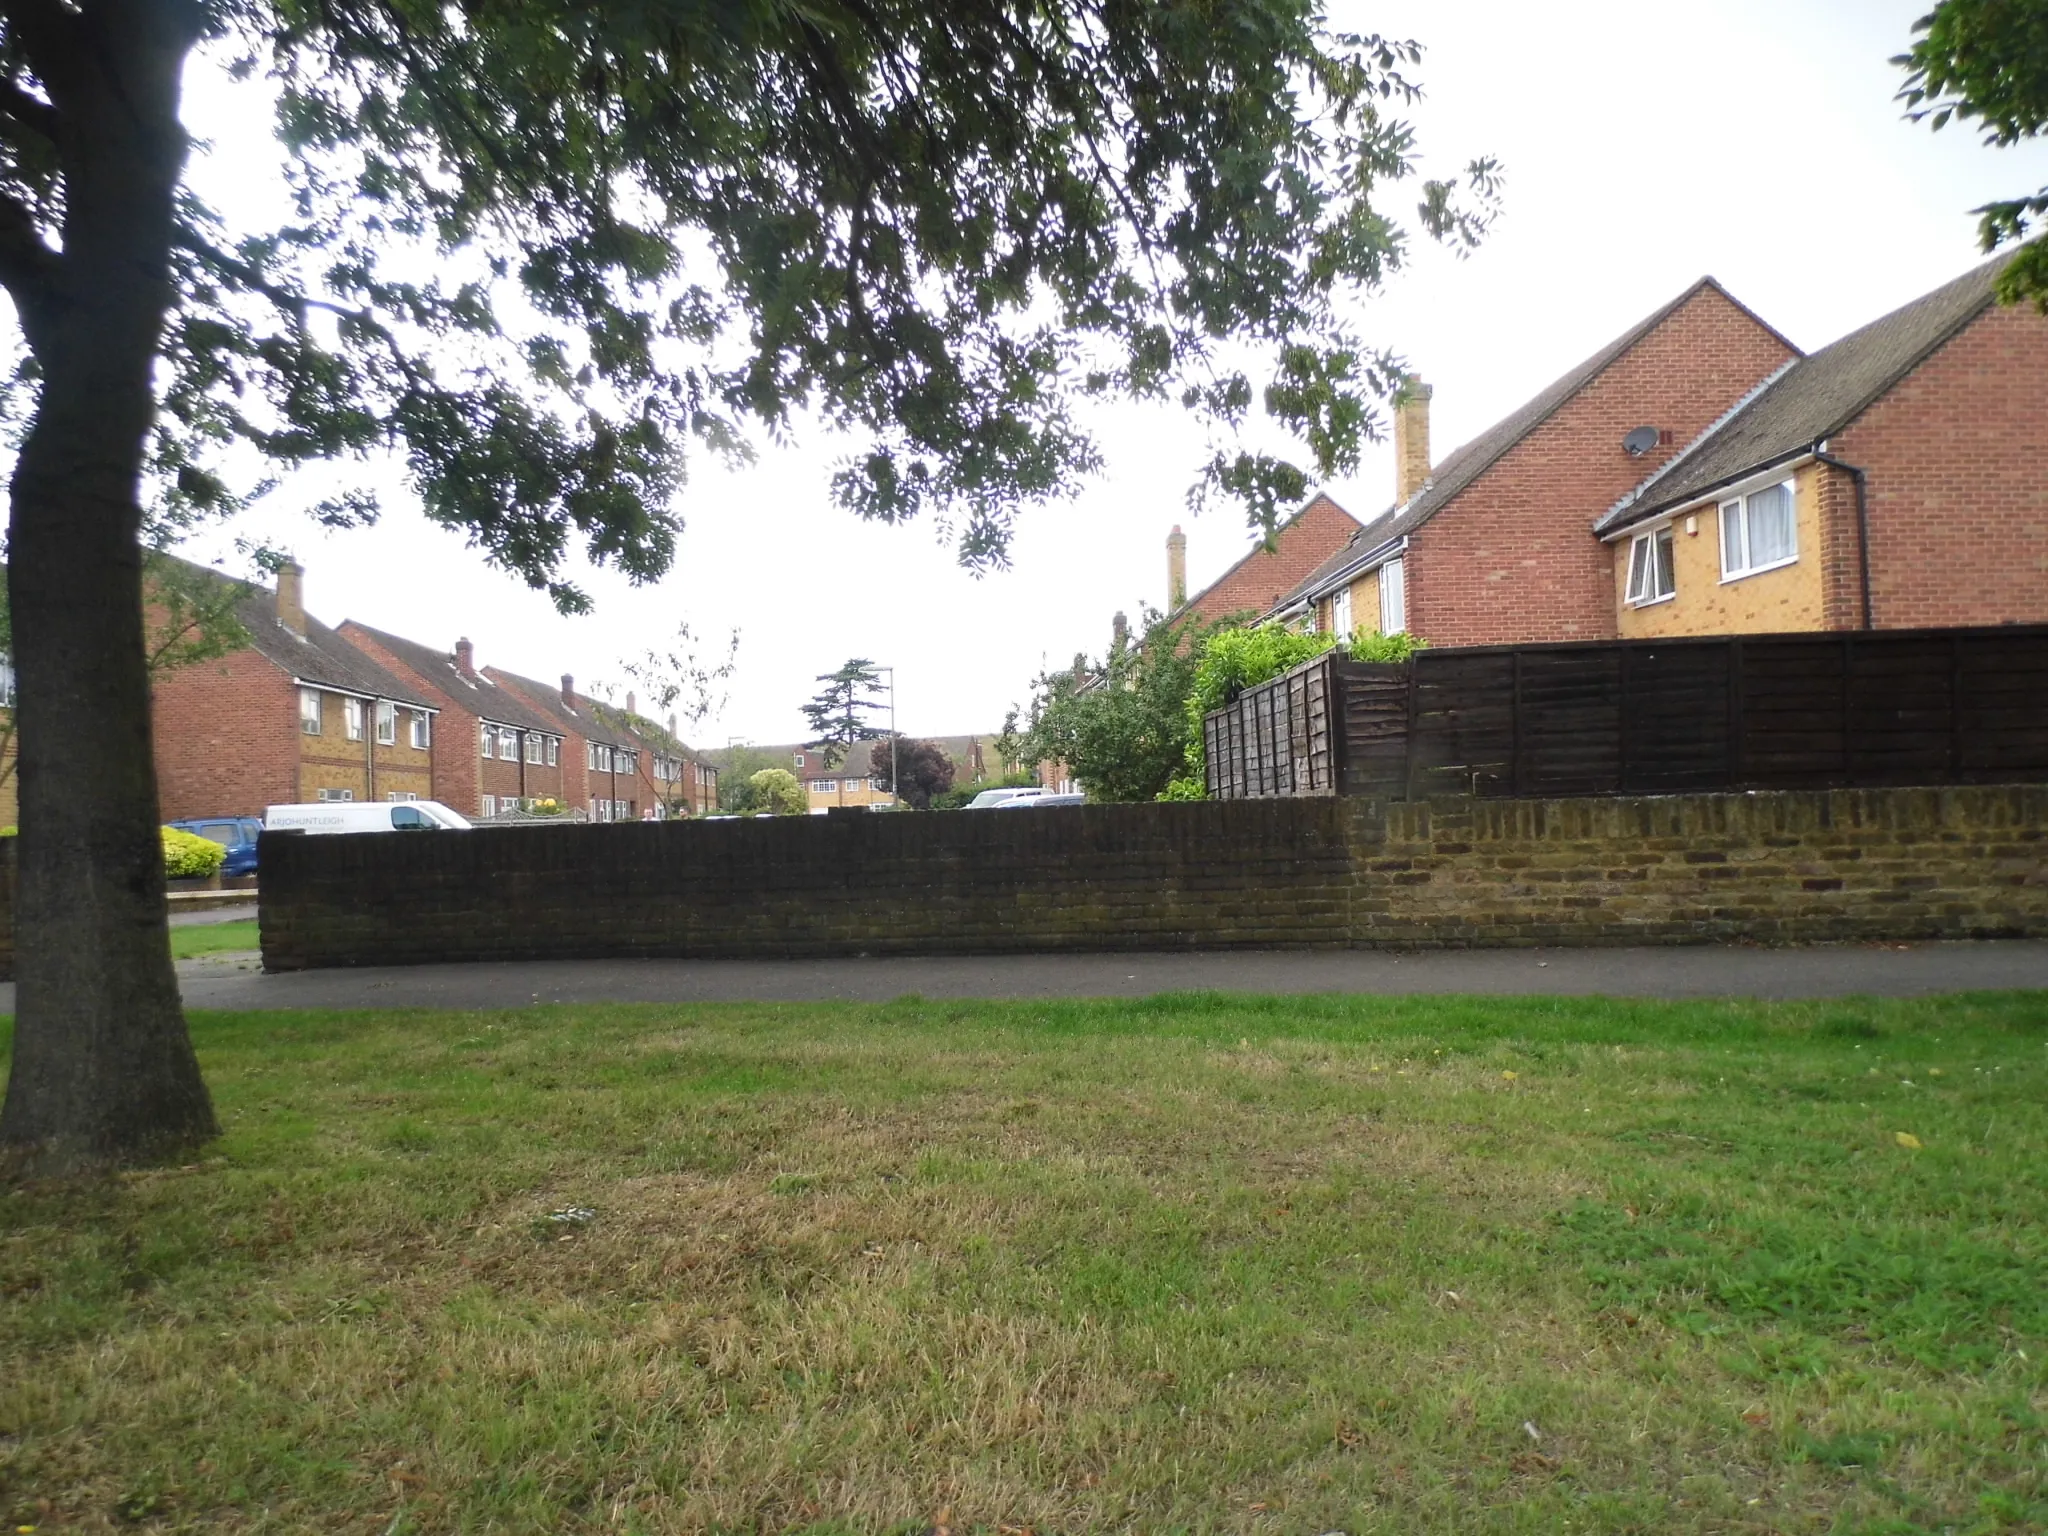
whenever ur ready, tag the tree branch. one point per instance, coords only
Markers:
(37, 116)
(51, 35)
(28, 267)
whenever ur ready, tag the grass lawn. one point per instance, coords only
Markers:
(190, 939)
(1190, 1264)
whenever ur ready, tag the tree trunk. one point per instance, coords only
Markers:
(103, 1067)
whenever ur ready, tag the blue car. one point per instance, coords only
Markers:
(237, 834)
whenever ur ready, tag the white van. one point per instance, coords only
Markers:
(992, 799)
(369, 816)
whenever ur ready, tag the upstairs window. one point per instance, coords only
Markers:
(422, 730)
(1651, 578)
(508, 744)
(352, 718)
(484, 737)
(624, 761)
(554, 751)
(824, 786)
(387, 722)
(1393, 598)
(309, 711)
(1758, 532)
(533, 746)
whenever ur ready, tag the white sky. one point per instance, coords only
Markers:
(1756, 140)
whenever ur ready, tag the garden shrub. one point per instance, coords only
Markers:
(188, 856)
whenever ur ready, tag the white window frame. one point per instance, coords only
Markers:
(1394, 597)
(401, 797)
(422, 735)
(490, 806)
(310, 721)
(825, 786)
(336, 796)
(1644, 547)
(484, 734)
(1739, 506)
(1340, 613)
(554, 751)
(387, 723)
(508, 744)
(352, 719)
(533, 748)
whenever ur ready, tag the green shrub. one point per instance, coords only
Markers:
(1371, 645)
(188, 856)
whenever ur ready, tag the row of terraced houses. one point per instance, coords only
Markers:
(1701, 475)
(305, 712)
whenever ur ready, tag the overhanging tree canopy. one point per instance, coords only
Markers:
(538, 249)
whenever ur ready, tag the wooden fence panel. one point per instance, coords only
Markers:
(1804, 711)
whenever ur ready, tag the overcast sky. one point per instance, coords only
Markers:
(1756, 140)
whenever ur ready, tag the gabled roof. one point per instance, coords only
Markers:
(581, 718)
(1467, 463)
(320, 657)
(1812, 399)
(1252, 587)
(479, 695)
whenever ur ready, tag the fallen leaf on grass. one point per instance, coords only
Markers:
(1509, 1076)
(1907, 1140)
(1348, 1438)
(1526, 1462)
(1757, 1417)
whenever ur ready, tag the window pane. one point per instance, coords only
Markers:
(1664, 576)
(309, 711)
(1770, 525)
(484, 738)
(1638, 569)
(1731, 538)
(508, 745)
(1393, 597)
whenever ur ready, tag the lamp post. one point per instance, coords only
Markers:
(895, 789)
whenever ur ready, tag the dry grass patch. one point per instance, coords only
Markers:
(1194, 1264)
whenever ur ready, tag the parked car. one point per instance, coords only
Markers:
(991, 799)
(369, 816)
(237, 834)
(1041, 800)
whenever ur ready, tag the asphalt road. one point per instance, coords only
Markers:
(235, 983)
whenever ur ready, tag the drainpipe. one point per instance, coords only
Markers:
(370, 748)
(1862, 480)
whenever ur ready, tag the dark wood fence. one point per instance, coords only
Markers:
(1810, 711)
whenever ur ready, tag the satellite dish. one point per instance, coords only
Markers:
(1639, 442)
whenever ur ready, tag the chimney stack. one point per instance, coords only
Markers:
(1411, 437)
(291, 597)
(1120, 631)
(1176, 569)
(672, 725)
(465, 658)
(631, 703)
(568, 691)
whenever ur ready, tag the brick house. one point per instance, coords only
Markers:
(616, 764)
(1267, 572)
(1489, 546)
(298, 714)
(1894, 479)
(515, 750)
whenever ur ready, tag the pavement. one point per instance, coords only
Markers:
(237, 983)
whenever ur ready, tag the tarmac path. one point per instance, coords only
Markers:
(236, 983)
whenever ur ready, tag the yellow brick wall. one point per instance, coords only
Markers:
(1790, 598)
(331, 761)
(1365, 605)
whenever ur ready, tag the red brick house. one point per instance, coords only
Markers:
(1490, 546)
(1267, 572)
(514, 755)
(616, 764)
(1895, 479)
(298, 714)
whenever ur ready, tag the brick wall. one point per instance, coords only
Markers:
(1513, 559)
(1958, 497)
(226, 735)
(1867, 864)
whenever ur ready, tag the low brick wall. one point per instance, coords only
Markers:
(1781, 866)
